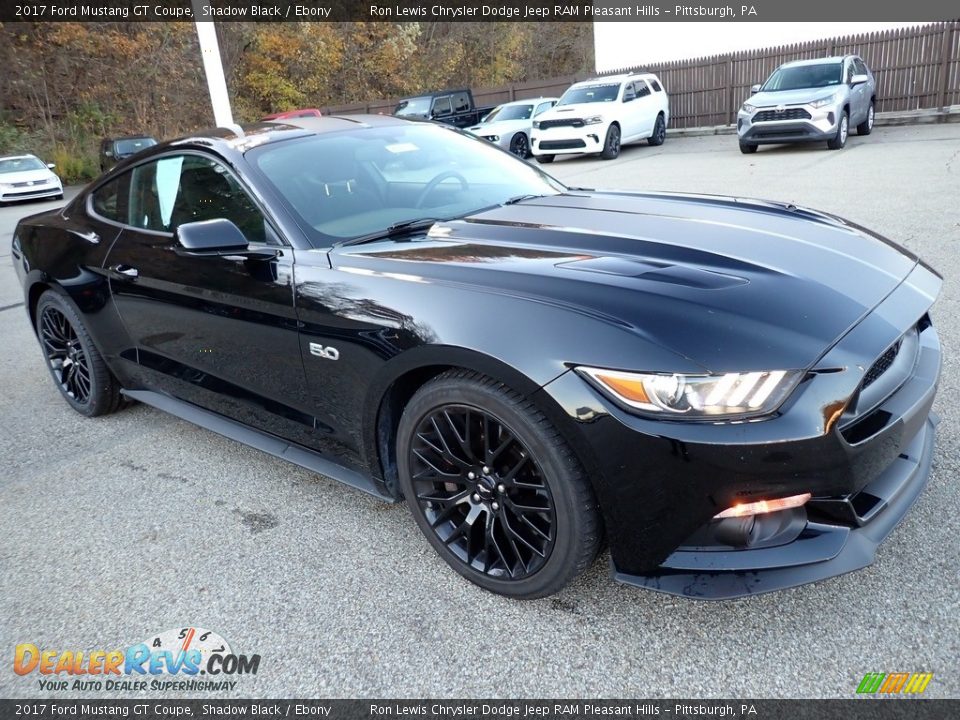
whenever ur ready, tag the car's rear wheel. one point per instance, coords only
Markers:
(545, 159)
(611, 145)
(75, 365)
(519, 146)
(495, 488)
(659, 131)
(747, 148)
(866, 127)
(843, 130)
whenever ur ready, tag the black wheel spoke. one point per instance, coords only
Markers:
(482, 492)
(66, 356)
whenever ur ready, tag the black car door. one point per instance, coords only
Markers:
(217, 331)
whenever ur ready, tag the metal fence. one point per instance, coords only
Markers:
(916, 67)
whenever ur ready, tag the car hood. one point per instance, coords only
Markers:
(791, 97)
(732, 285)
(27, 176)
(501, 127)
(576, 110)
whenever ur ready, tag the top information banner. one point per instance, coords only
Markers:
(470, 11)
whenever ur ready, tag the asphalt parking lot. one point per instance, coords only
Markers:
(118, 528)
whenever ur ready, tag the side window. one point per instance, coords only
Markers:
(656, 86)
(629, 93)
(461, 102)
(642, 89)
(861, 67)
(188, 188)
(850, 71)
(110, 200)
(543, 107)
(442, 106)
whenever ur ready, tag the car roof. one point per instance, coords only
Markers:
(614, 79)
(817, 61)
(527, 101)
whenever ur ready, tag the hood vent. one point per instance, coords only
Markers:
(657, 272)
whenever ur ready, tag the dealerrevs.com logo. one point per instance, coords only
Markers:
(894, 683)
(171, 660)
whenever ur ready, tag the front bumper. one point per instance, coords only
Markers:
(569, 140)
(660, 484)
(763, 127)
(30, 192)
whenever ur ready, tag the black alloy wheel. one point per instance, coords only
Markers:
(65, 355)
(519, 146)
(494, 488)
(659, 132)
(611, 145)
(81, 375)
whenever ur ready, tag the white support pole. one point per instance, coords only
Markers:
(213, 66)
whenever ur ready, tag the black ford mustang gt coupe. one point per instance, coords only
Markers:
(736, 395)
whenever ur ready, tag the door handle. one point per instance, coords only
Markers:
(131, 273)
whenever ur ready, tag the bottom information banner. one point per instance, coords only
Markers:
(852, 709)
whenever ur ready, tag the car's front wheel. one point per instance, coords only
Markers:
(495, 488)
(747, 148)
(545, 159)
(78, 370)
(519, 146)
(866, 127)
(611, 144)
(843, 130)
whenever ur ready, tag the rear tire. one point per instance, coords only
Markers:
(659, 132)
(611, 144)
(545, 159)
(74, 363)
(747, 148)
(843, 131)
(866, 127)
(495, 488)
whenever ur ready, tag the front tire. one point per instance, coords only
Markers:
(520, 146)
(866, 127)
(75, 364)
(659, 132)
(611, 144)
(747, 148)
(843, 130)
(494, 487)
(545, 159)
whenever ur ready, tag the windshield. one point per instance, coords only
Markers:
(413, 106)
(510, 112)
(132, 145)
(800, 77)
(350, 184)
(19, 164)
(590, 94)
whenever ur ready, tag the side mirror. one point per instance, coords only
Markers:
(108, 153)
(213, 237)
(51, 166)
(859, 79)
(754, 89)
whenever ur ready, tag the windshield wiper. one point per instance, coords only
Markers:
(520, 198)
(400, 228)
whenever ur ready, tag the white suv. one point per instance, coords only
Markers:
(598, 116)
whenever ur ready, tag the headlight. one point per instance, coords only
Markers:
(747, 107)
(595, 120)
(823, 102)
(536, 124)
(732, 395)
(493, 138)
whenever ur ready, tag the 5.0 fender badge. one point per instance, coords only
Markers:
(329, 352)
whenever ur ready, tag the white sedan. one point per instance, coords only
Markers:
(26, 177)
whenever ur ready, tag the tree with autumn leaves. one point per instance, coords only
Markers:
(66, 85)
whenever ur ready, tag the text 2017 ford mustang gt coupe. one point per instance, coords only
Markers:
(735, 394)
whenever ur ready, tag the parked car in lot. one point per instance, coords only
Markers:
(509, 125)
(735, 394)
(292, 114)
(113, 150)
(810, 101)
(601, 115)
(450, 107)
(26, 177)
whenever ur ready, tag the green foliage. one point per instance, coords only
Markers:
(74, 166)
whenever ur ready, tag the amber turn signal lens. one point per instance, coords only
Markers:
(764, 506)
(625, 387)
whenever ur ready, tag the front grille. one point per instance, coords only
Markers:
(788, 114)
(882, 364)
(565, 122)
(29, 183)
(562, 144)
